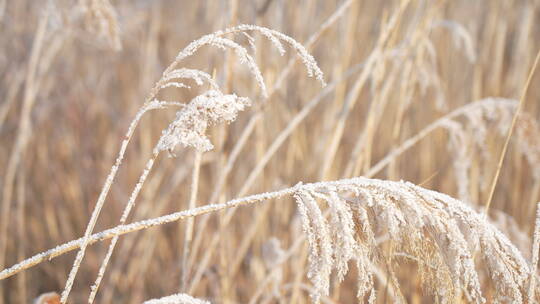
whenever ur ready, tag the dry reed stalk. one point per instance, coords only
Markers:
(418, 45)
(407, 93)
(231, 20)
(522, 60)
(2, 9)
(123, 229)
(146, 245)
(12, 92)
(510, 131)
(21, 224)
(189, 225)
(375, 112)
(350, 31)
(352, 97)
(30, 91)
(125, 214)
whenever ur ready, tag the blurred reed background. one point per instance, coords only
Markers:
(74, 74)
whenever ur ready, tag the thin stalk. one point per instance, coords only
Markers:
(125, 214)
(189, 224)
(24, 129)
(510, 132)
(144, 224)
(105, 191)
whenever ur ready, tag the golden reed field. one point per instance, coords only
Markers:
(269, 151)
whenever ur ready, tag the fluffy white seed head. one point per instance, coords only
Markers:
(191, 122)
(277, 39)
(179, 298)
(437, 231)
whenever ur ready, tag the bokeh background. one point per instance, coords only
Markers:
(74, 73)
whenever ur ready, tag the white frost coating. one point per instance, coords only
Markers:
(320, 244)
(535, 252)
(191, 122)
(251, 41)
(198, 76)
(459, 144)
(215, 39)
(175, 84)
(343, 232)
(179, 298)
(308, 60)
(414, 218)
(244, 57)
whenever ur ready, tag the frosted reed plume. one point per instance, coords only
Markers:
(191, 122)
(469, 136)
(468, 127)
(503, 104)
(216, 39)
(415, 220)
(188, 128)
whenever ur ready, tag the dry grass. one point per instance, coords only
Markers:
(441, 94)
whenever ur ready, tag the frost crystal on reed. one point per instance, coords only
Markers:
(191, 122)
(179, 298)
